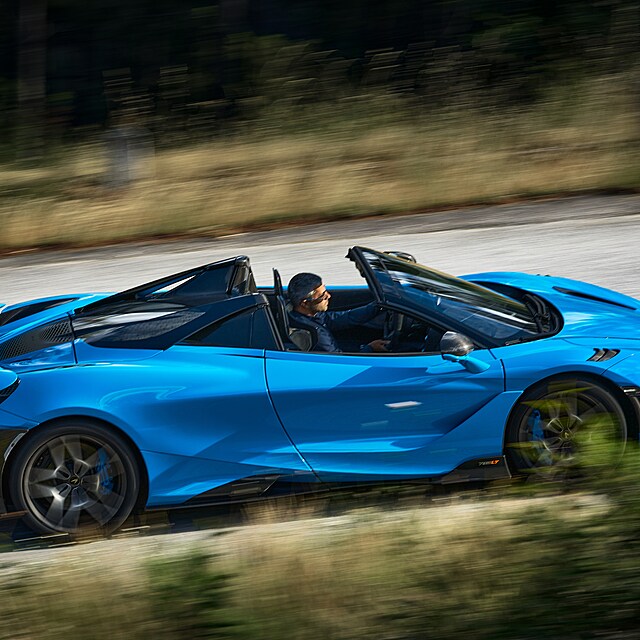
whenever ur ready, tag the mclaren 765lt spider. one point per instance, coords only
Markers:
(194, 389)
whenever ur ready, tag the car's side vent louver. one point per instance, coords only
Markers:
(36, 339)
(590, 296)
(601, 355)
(7, 391)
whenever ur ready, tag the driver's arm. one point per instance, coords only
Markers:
(338, 320)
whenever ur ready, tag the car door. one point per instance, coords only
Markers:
(211, 424)
(198, 409)
(384, 416)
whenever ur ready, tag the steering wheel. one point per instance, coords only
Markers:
(432, 340)
(392, 328)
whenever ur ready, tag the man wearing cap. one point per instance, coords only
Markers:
(310, 301)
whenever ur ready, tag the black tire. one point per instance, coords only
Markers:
(553, 418)
(76, 477)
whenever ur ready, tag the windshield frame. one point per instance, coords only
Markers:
(494, 310)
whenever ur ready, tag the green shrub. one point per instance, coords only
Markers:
(188, 597)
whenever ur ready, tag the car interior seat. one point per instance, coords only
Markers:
(298, 339)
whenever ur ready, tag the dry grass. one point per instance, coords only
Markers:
(580, 138)
(366, 574)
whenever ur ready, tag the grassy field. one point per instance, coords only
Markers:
(377, 156)
(483, 569)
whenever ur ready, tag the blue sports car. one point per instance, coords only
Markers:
(194, 389)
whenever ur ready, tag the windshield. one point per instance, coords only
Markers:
(451, 301)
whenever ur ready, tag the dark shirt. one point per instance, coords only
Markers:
(324, 323)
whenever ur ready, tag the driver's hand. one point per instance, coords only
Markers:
(379, 345)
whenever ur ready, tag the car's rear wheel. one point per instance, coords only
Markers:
(73, 478)
(556, 420)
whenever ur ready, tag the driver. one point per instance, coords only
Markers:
(310, 301)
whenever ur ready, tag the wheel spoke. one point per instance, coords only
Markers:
(42, 491)
(92, 461)
(570, 404)
(100, 512)
(38, 474)
(57, 453)
(64, 490)
(553, 443)
(72, 516)
(62, 473)
(75, 451)
(55, 510)
(91, 483)
(554, 426)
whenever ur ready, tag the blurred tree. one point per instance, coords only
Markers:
(32, 55)
(234, 15)
(192, 64)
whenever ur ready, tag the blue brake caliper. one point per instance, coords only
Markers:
(535, 422)
(103, 469)
(537, 435)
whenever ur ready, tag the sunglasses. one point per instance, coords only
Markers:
(321, 298)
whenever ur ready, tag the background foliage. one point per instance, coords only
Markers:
(123, 120)
(193, 68)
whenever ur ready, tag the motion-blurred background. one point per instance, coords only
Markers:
(124, 119)
(127, 119)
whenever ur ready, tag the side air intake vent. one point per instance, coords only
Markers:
(7, 391)
(601, 355)
(39, 338)
(589, 296)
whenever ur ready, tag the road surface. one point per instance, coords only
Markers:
(590, 238)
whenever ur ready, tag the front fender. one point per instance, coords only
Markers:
(625, 372)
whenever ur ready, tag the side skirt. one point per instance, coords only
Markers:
(264, 487)
(484, 470)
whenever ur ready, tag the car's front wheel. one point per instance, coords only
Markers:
(555, 420)
(74, 477)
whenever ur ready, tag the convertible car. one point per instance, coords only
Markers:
(194, 389)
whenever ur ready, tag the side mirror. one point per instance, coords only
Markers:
(456, 344)
(456, 347)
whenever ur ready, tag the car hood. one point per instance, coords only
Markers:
(587, 310)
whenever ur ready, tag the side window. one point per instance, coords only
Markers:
(248, 330)
(141, 326)
(262, 333)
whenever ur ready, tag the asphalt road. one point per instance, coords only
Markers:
(590, 238)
